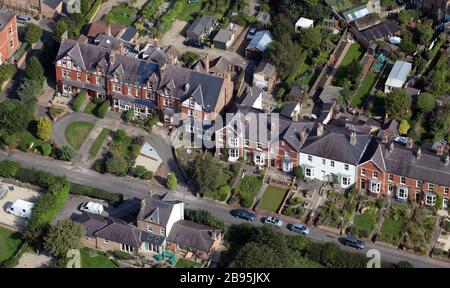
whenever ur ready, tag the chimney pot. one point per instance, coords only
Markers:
(385, 138)
(320, 130)
(108, 30)
(391, 147)
(353, 138)
(447, 160)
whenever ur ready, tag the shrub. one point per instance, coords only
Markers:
(39, 178)
(103, 110)
(32, 33)
(117, 165)
(84, 190)
(79, 100)
(65, 153)
(235, 168)
(148, 175)
(247, 189)
(128, 116)
(294, 201)
(138, 171)
(46, 149)
(121, 255)
(9, 169)
(298, 172)
(223, 193)
(44, 128)
(171, 181)
(204, 217)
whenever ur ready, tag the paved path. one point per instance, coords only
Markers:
(136, 188)
(59, 127)
(32, 260)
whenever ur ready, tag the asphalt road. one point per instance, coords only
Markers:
(132, 188)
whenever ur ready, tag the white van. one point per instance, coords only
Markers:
(20, 208)
(92, 207)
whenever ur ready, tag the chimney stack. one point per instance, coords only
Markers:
(391, 147)
(64, 36)
(320, 130)
(108, 30)
(156, 41)
(419, 153)
(440, 150)
(446, 160)
(353, 138)
(385, 138)
(303, 136)
(206, 62)
(143, 203)
(386, 118)
(112, 57)
(121, 48)
(409, 144)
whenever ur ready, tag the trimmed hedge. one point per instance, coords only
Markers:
(48, 206)
(79, 100)
(114, 198)
(9, 169)
(103, 109)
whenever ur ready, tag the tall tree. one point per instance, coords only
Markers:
(208, 174)
(64, 236)
(33, 33)
(285, 55)
(35, 71)
(310, 38)
(60, 28)
(426, 102)
(425, 30)
(398, 104)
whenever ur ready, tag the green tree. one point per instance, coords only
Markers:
(208, 174)
(44, 128)
(35, 71)
(117, 165)
(171, 181)
(398, 104)
(298, 172)
(403, 17)
(426, 102)
(403, 127)
(189, 58)
(65, 153)
(285, 55)
(64, 236)
(128, 116)
(425, 31)
(14, 117)
(28, 90)
(33, 33)
(407, 44)
(60, 28)
(310, 38)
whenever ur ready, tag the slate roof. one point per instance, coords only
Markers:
(5, 17)
(250, 95)
(156, 211)
(223, 36)
(260, 41)
(100, 27)
(128, 34)
(200, 25)
(399, 73)
(330, 94)
(382, 30)
(288, 109)
(293, 133)
(203, 87)
(192, 235)
(217, 65)
(335, 144)
(93, 222)
(53, 4)
(265, 68)
(390, 128)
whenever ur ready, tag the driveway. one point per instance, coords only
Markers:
(174, 36)
(18, 193)
(32, 260)
(59, 127)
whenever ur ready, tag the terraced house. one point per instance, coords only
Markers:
(406, 171)
(141, 85)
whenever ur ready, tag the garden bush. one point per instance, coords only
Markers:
(235, 168)
(79, 100)
(103, 110)
(204, 217)
(9, 169)
(84, 190)
(223, 193)
(121, 255)
(46, 149)
(39, 178)
(247, 190)
(148, 175)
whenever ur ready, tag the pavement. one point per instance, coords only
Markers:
(32, 260)
(133, 188)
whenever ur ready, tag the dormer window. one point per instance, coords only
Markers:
(162, 232)
(150, 228)
(168, 92)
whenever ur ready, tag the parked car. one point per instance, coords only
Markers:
(244, 214)
(23, 18)
(194, 43)
(92, 207)
(353, 242)
(251, 33)
(299, 228)
(273, 221)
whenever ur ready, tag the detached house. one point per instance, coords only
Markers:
(265, 76)
(333, 153)
(200, 28)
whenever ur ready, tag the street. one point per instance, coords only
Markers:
(132, 188)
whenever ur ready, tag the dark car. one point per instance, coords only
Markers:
(244, 214)
(194, 43)
(353, 242)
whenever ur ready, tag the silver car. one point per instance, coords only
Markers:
(273, 221)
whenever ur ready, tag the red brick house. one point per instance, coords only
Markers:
(9, 42)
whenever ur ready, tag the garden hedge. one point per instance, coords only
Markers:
(79, 100)
(103, 109)
(84, 190)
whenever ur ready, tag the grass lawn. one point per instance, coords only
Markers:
(10, 242)
(97, 261)
(311, 78)
(364, 89)
(77, 132)
(302, 67)
(121, 15)
(247, 189)
(365, 221)
(355, 52)
(98, 142)
(302, 262)
(184, 263)
(188, 14)
(272, 198)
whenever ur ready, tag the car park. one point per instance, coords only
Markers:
(244, 214)
(299, 228)
(353, 242)
(273, 221)
(194, 43)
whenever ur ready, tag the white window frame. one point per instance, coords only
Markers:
(431, 187)
(332, 163)
(346, 167)
(403, 180)
(391, 177)
(418, 183)
(377, 187)
(310, 170)
(234, 153)
(345, 181)
(310, 158)
(375, 174)
(401, 193)
(363, 171)
(431, 201)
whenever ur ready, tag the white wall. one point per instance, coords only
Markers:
(318, 167)
(176, 215)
